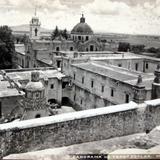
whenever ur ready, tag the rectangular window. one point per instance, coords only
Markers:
(136, 67)
(127, 98)
(74, 76)
(87, 38)
(52, 86)
(92, 83)
(102, 88)
(146, 65)
(0, 109)
(74, 97)
(81, 101)
(82, 80)
(112, 92)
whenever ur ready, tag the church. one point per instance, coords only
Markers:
(77, 71)
(40, 50)
(81, 38)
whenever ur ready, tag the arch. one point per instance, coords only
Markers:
(87, 38)
(52, 101)
(147, 131)
(58, 63)
(91, 47)
(57, 48)
(66, 101)
(79, 38)
(71, 48)
(38, 116)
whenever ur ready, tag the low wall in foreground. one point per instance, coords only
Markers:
(79, 127)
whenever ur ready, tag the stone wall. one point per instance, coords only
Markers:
(79, 127)
(84, 90)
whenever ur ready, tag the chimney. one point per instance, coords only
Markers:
(139, 91)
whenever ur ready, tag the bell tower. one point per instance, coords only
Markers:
(35, 27)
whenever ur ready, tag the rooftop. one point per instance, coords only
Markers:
(6, 91)
(82, 27)
(20, 48)
(23, 75)
(117, 73)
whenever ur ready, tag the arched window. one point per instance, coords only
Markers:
(36, 30)
(79, 38)
(87, 38)
(57, 48)
(71, 48)
(91, 47)
(37, 116)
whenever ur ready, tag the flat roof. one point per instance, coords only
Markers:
(22, 75)
(6, 91)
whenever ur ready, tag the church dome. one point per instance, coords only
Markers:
(82, 27)
(34, 86)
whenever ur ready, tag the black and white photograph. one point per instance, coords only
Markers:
(79, 79)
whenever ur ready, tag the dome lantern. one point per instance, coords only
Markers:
(82, 19)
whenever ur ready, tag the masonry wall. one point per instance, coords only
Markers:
(8, 104)
(87, 97)
(128, 63)
(79, 127)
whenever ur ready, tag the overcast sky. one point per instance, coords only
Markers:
(122, 16)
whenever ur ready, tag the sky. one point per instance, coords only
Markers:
(115, 16)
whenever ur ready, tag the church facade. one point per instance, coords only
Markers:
(81, 39)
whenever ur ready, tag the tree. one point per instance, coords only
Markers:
(153, 50)
(137, 48)
(55, 33)
(123, 47)
(64, 34)
(6, 47)
(24, 39)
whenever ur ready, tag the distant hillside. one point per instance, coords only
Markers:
(25, 28)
